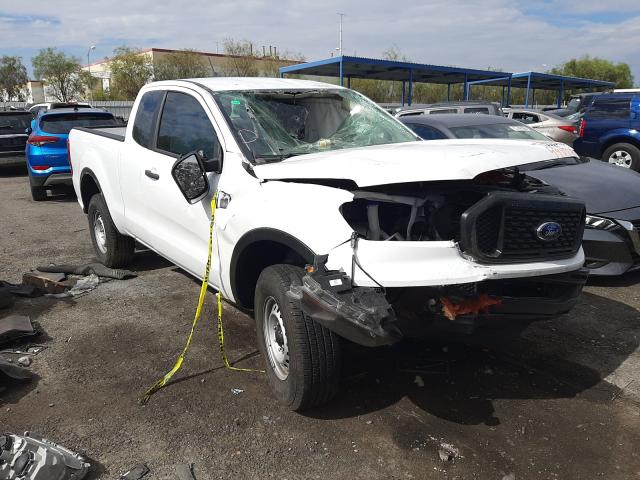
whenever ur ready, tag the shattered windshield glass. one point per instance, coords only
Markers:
(274, 125)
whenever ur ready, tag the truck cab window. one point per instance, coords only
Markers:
(144, 124)
(185, 127)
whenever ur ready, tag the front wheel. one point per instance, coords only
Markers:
(303, 357)
(112, 249)
(623, 155)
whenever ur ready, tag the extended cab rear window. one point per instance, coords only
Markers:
(12, 122)
(63, 123)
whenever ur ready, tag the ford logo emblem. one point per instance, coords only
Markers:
(549, 231)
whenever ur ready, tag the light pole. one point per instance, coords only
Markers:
(92, 47)
(341, 16)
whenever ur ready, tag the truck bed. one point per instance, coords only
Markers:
(114, 133)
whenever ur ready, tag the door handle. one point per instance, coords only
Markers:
(152, 175)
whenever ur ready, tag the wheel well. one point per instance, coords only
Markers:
(258, 250)
(88, 188)
(615, 140)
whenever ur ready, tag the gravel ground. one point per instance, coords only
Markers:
(561, 402)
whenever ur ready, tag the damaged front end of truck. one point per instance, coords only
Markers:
(453, 256)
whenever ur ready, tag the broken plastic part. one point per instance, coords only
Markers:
(479, 304)
(32, 457)
(360, 314)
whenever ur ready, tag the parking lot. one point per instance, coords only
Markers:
(560, 402)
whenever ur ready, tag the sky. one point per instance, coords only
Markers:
(514, 36)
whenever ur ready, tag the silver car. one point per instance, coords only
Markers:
(557, 128)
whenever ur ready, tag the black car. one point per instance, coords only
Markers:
(577, 103)
(611, 239)
(13, 137)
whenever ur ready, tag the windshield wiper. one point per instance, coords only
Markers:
(551, 164)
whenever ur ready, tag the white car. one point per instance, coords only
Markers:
(398, 234)
(46, 106)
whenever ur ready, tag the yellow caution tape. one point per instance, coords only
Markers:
(203, 293)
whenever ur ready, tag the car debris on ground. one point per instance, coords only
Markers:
(32, 457)
(136, 473)
(16, 327)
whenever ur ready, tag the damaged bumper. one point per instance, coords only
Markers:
(372, 317)
(362, 314)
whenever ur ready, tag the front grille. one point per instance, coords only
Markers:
(503, 227)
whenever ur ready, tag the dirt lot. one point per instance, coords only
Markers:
(561, 402)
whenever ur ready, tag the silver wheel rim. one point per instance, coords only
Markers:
(275, 339)
(621, 158)
(100, 233)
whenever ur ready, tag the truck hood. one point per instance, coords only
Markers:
(435, 160)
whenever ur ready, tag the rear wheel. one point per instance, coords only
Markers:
(623, 155)
(303, 357)
(38, 193)
(111, 247)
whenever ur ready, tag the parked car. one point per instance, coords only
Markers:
(487, 108)
(611, 240)
(398, 234)
(610, 130)
(46, 106)
(13, 137)
(556, 128)
(577, 103)
(46, 150)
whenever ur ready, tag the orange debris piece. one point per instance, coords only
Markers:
(481, 303)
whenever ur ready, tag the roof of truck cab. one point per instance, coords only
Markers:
(222, 84)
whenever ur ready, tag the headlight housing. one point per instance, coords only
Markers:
(600, 223)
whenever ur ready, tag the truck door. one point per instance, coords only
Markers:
(172, 226)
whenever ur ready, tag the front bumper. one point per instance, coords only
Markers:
(373, 317)
(612, 252)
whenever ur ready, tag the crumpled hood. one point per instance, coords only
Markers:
(413, 161)
(601, 186)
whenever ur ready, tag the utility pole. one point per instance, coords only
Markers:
(340, 47)
(92, 47)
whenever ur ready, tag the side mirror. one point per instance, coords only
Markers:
(214, 164)
(189, 173)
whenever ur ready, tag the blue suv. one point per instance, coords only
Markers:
(610, 130)
(47, 155)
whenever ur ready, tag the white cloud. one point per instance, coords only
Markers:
(496, 33)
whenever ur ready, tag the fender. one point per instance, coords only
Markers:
(260, 235)
(619, 135)
(87, 171)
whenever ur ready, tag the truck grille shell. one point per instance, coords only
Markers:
(502, 227)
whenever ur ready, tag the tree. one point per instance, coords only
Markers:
(130, 70)
(183, 64)
(242, 60)
(598, 69)
(61, 73)
(13, 77)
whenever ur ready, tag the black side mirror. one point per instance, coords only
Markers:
(190, 175)
(214, 164)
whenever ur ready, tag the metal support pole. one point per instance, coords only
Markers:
(509, 92)
(466, 88)
(448, 92)
(526, 98)
(410, 87)
(403, 91)
(502, 97)
(533, 97)
(349, 81)
(560, 93)
(341, 72)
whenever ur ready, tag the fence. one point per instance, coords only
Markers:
(120, 108)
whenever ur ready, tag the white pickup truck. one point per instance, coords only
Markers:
(334, 220)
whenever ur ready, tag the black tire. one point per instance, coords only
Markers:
(38, 193)
(631, 150)
(314, 352)
(117, 249)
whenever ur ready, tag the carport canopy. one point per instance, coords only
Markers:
(532, 81)
(406, 72)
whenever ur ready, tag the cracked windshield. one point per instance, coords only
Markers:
(277, 125)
